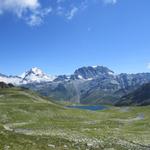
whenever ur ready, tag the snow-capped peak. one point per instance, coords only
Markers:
(37, 70)
(33, 70)
(36, 75)
(95, 66)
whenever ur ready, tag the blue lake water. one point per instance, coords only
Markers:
(92, 108)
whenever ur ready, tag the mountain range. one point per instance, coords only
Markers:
(87, 85)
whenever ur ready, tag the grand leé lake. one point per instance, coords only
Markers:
(89, 107)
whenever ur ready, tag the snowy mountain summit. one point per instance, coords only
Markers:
(31, 76)
(36, 75)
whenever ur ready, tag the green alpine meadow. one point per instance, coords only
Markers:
(31, 122)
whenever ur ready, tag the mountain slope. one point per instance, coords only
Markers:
(9, 94)
(141, 96)
(30, 122)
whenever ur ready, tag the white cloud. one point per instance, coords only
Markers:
(71, 13)
(18, 6)
(28, 10)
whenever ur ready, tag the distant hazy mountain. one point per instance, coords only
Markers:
(88, 85)
(141, 96)
(10, 79)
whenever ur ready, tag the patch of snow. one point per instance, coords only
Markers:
(80, 77)
(95, 66)
(90, 79)
(68, 77)
(110, 73)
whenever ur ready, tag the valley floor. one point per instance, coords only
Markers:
(43, 125)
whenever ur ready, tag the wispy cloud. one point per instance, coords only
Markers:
(110, 1)
(36, 18)
(72, 12)
(69, 8)
(33, 11)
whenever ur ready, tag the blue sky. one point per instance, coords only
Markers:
(60, 36)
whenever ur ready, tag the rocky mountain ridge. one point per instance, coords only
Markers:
(87, 85)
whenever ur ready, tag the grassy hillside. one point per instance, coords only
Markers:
(30, 122)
